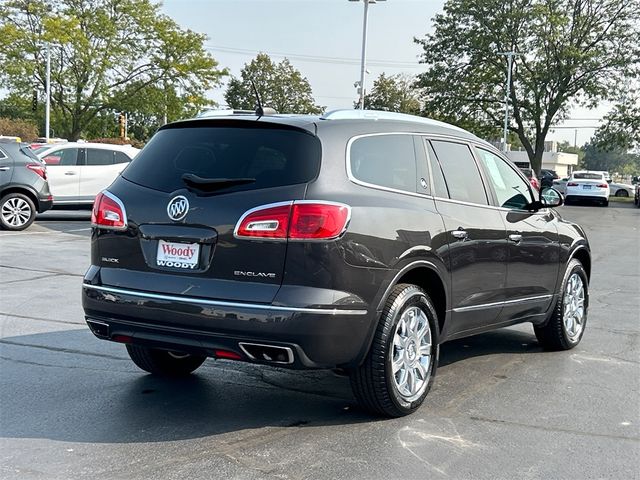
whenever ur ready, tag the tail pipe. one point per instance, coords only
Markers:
(268, 353)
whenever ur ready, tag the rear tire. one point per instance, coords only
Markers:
(401, 364)
(162, 362)
(605, 203)
(17, 211)
(565, 328)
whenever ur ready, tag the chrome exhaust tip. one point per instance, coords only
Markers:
(267, 353)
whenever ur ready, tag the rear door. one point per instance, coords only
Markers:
(269, 162)
(534, 250)
(98, 172)
(6, 169)
(63, 173)
(477, 252)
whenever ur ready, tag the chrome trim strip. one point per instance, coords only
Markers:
(221, 303)
(286, 349)
(538, 298)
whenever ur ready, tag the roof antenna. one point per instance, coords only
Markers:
(261, 111)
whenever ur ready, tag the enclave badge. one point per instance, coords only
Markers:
(178, 208)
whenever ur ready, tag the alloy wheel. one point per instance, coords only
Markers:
(574, 311)
(16, 212)
(411, 354)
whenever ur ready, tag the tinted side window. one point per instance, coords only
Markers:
(511, 190)
(68, 157)
(97, 156)
(385, 160)
(460, 172)
(122, 158)
(439, 184)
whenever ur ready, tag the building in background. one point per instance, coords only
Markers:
(563, 163)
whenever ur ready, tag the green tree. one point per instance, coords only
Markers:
(569, 52)
(280, 86)
(621, 128)
(104, 53)
(394, 93)
(614, 160)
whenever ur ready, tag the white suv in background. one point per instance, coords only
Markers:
(588, 185)
(79, 171)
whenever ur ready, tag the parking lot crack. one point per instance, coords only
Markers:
(61, 350)
(554, 429)
(42, 271)
(40, 319)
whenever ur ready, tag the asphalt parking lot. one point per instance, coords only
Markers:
(72, 406)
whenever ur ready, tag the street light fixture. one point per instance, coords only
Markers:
(363, 59)
(509, 56)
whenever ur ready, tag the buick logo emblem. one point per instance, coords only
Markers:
(177, 208)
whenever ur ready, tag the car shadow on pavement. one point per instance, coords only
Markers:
(71, 387)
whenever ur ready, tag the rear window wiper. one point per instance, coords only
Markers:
(212, 184)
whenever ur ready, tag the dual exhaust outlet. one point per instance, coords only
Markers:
(258, 352)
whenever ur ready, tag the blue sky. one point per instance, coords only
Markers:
(322, 39)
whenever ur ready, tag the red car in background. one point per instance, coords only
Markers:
(535, 183)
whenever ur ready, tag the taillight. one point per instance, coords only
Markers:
(572, 184)
(603, 185)
(302, 220)
(38, 168)
(108, 212)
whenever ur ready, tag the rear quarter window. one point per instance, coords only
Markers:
(387, 161)
(272, 156)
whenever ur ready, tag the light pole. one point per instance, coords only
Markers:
(363, 58)
(510, 56)
(47, 111)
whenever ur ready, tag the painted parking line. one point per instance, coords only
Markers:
(49, 232)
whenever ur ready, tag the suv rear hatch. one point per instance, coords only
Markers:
(183, 196)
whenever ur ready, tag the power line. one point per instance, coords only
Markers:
(315, 58)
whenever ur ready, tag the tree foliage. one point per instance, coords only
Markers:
(569, 52)
(394, 93)
(104, 55)
(612, 159)
(24, 129)
(621, 128)
(280, 86)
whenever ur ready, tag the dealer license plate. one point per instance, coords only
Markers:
(178, 255)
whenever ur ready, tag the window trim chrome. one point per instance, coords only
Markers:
(222, 303)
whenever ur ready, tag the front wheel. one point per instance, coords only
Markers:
(401, 364)
(622, 193)
(565, 328)
(162, 362)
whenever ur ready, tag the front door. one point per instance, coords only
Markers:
(63, 172)
(532, 269)
(476, 234)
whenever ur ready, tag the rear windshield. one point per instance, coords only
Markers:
(588, 176)
(272, 156)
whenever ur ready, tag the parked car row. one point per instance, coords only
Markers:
(32, 180)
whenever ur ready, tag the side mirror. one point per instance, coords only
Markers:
(550, 198)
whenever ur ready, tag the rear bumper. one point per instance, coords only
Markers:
(44, 204)
(318, 337)
(587, 194)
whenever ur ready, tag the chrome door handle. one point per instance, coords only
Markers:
(460, 234)
(69, 173)
(515, 237)
(4, 169)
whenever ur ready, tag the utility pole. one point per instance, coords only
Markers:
(363, 58)
(510, 56)
(47, 111)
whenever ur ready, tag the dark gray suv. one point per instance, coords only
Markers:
(24, 190)
(356, 240)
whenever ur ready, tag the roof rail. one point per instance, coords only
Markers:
(382, 115)
(213, 112)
